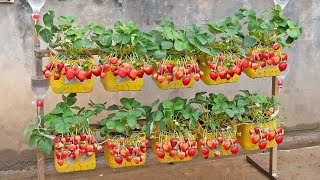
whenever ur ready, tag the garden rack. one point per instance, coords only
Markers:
(39, 54)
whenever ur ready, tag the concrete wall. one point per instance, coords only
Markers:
(300, 95)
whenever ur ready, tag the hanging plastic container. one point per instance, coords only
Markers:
(63, 85)
(115, 83)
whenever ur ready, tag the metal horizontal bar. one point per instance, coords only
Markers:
(46, 52)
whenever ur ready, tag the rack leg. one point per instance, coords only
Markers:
(273, 161)
(40, 163)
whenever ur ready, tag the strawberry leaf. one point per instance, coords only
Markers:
(45, 145)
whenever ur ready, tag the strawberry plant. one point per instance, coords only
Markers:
(62, 32)
(68, 129)
(125, 138)
(175, 121)
(216, 129)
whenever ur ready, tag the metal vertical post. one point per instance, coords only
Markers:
(274, 150)
(40, 112)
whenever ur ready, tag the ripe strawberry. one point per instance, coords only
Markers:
(148, 70)
(58, 155)
(113, 68)
(82, 146)
(184, 147)
(136, 160)
(160, 79)
(220, 139)
(263, 64)
(251, 131)
(271, 135)
(72, 147)
(70, 74)
(118, 159)
(169, 78)
(275, 60)
(279, 139)
(221, 57)
(186, 80)
(143, 149)
(56, 76)
(280, 131)
(196, 76)
(181, 155)
(270, 54)
(81, 75)
(228, 77)
(206, 156)
(264, 135)
(129, 158)
(64, 154)
(68, 138)
(106, 67)
(89, 148)
(133, 74)
(97, 70)
(211, 144)
(276, 46)
(211, 65)
(205, 151)
(213, 75)
(140, 73)
(244, 63)
(172, 153)
(166, 147)
(60, 162)
(237, 69)
(223, 74)
(47, 74)
(88, 74)
(173, 142)
(89, 154)
(60, 67)
(141, 158)
(255, 66)
(202, 142)
(226, 145)
(282, 66)
(158, 145)
(255, 138)
(234, 149)
(284, 57)
(235, 141)
(161, 154)
(179, 74)
(193, 143)
(216, 153)
(192, 152)
(122, 72)
(103, 75)
(230, 72)
(77, 139)
(113, 60)
(262, 145)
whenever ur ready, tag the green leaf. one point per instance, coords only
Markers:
(111, 124)
(46, 35)
(56, 111)
(213, 125)
(28, 129)
(249, 41)
(179, 104)
(179, 45)
(230, 113)
(213, 29)
(132, 121)
(34, 138)
(120, 127)
(62, 127)
(48, 18)
(135, 113)
(149, 128)
(121, 115)
(45, 145)
(113, 107)
(126, 102)
(166, 45)
(160, 54)
(82, 43)
(162, 126)
(157, 116)
(294, 33)
(167, 104)
(67, 113)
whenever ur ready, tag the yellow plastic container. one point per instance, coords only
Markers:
(82, 163)
(112, 83)
(175, 84)
(167, 158)
(245, 138)
(63, 85)
(206, 71)
(211, 136)
(267, 71)
(110, 158)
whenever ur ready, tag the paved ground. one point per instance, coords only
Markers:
(302, 163)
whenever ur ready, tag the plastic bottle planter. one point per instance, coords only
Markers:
(115, 83)
(267, 71)
(246, 139)
(81, 163)
(175, 84)
(213, 135)
(206, 70)
(63, 85)
(110, 159)
(167, 158)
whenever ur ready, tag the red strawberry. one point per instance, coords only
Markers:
(169, 78)
(205, 151)
(193, 143)
(179, 74)
(255, 138)
(228, 77)
(223, 74)
(211, 65)
(60, 162)
(276, 46)
(192, 152)
(83, 136)
(97, 70)
(264, 135)
(216, 153)
(196, 77)
(221, 57)
(262, 145)
(202, 142)
(166, 147)
(251, 131)
(70, 74)
(89, 148)
(72, 147)
(282, 66)
(275, 60)
(172, 153)
(106, 67)
(244, 63)
(129, 158)
(173, 142)
(255, 66)
(181, 155)
(81, 75)
(186, 80)
(136, 160)
(47, 74)
(133, 74)
(58, 155)
(230, 72)
(118, 159)
(271, 135)
(161, 154)
(234, 149)
(270, 54)
(160, 79)
(89, 154)
(89, 74)
(122, 72)
(211, 144)
(103, 75)
(220, 139)
(60, 67)
(140, 73)
(263, 64)
(143, 149)
(184, 147)
(235, 141)
(113, 60)
(113, 68)
(226, 145)
(148, 70)
(280, 131)
(124, 152)
(213, 75)
(237, 69)
(279, 139)
(56, 76)
(284, 57)
(64, 154)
